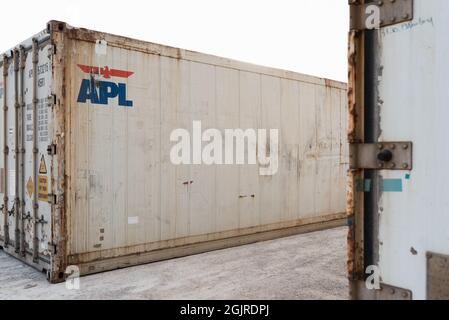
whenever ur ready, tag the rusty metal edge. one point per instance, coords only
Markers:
(122, 42)
(355, 201)
(386, 292)
(60, 135)
(78, 258)
(102, 265)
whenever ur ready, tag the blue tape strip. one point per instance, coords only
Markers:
(391, 185)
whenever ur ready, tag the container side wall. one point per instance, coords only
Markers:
(127, 195)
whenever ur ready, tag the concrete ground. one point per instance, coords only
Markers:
(309, 266)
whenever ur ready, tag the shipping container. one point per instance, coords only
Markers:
(398, 106)
(88, 176)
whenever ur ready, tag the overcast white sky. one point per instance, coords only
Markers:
(307, 36)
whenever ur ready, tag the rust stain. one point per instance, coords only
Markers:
(129, 251)
(350, 208)
(352, 107)
(58, 180)
(352, 137)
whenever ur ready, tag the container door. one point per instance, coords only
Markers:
(25, 166)
(399, 118)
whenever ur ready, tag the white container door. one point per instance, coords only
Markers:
(414, 88)
(26, 164)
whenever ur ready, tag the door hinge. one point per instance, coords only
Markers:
(377, 14)
(388, 292)
(384, 293)
(52, 199)
(52, 248)
(382, 156)
(51, 100)
(51, 149)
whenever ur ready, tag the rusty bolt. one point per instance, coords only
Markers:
(380, 146)
(380, 3)
(405, 166)
(392, 291)
(380, 165)
(405, 146)
(405, 294)
(393, 165)
(393, 146)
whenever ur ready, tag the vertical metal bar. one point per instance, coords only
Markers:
(22, 149)
(61, 137)
(372, 134)
(356, 134)
(35, 153)
(6, 149)
(16, 151)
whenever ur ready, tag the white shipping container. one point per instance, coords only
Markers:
(88, 177)
(398, 104)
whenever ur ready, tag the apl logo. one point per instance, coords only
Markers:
(99, 92)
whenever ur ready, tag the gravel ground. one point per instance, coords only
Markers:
(308, 266)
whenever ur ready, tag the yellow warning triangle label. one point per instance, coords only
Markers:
(43, 166)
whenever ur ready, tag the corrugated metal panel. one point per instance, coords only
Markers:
(27, 130)
(118, 193)
(128, 142)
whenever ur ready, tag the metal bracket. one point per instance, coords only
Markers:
(52, 199)
(27, 216)
(12, 212)
(382, 156)
(52, 248)
(378, 14)
(386, 292)
(437, 276)
(41, 220)
(51, 100)
(51, 149)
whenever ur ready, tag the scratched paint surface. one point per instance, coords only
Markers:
(122, 170)
(121, 103)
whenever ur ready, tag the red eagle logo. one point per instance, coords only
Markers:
(106, 72)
